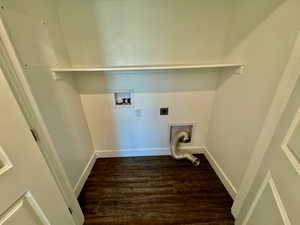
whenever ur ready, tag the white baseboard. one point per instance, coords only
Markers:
(126, 153)
(221, 174)
(154, 152)
(85, 174)
(145, 152)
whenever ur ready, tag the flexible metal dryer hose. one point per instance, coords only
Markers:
(182, 136)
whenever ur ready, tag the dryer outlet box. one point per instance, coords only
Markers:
(177, 127)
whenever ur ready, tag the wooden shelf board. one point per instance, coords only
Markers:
(148, 67)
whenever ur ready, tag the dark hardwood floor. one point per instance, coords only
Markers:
(154, 191)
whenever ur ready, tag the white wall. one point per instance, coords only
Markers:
(132, 32)
(35, 31)
(262, 36)
(188, 94)
(137, 32)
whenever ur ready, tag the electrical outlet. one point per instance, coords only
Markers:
(164, 111)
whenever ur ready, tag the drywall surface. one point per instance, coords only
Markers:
(34, 29)
(188, 95)
(130, 32)
(137, 32)
(263, 43)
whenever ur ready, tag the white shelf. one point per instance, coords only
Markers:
(149, 67)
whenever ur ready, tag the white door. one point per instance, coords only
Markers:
(28, 192)
(274, 197)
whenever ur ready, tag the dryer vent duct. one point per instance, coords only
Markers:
(182, 136)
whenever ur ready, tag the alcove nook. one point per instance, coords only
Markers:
(214, 64)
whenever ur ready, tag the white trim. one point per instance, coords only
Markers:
(37, 209)
(221, 174)
(11, 212)
(279, 103)
(155, 152)
(84, 175)
(7, 165)
(285, 147)
(145, 152)
(147, 67)
(126, 153)
(268, 181)
(14, 74)
(34, 206)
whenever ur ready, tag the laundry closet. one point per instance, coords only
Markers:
(112, 78)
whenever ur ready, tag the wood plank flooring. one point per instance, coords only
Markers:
(154, 191)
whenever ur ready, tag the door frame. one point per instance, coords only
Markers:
(16, 78)
(278, 105)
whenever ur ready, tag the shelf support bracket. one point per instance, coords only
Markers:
(56, 76)
(240, 70)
